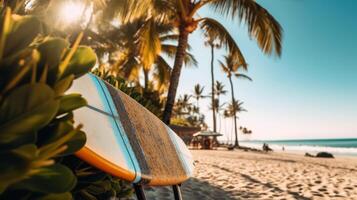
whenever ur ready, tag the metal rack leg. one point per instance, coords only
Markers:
(177, 192)
(139, 191)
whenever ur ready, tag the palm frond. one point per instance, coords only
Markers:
(127, 10)
(170, 37)
(239, 75)
(214, 29)
(163, 10)
(224, 68)
(130, 69)
(219, 88)
(149, 43)
(198, 91)
(261, 24)
(170, 51)
(162, 71)
(190, 60)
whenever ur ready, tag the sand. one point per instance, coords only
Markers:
(222, 174)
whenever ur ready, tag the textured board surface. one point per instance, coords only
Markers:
(126, 140)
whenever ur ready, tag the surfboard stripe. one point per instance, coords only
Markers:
(123, 140)
(101, 111)
(130, 133)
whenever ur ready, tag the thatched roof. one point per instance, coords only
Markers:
(207, 133)
(185, 129)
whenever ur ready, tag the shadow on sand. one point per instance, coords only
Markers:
(274, 188)
(248, 195)
(191, 189)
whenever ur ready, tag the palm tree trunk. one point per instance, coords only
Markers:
(219, 122)
(146, 80)
(212, 77)
(236, 143)
(175, 74)
(198, 107)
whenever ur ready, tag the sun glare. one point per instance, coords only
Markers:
(71, 12)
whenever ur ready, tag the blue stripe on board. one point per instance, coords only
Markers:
(107, 108)
(122, 134)
(177, 147)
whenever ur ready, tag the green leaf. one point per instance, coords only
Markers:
(13, 167)
(82, 61)
(23, 32)
(52, 51)
(58, 131)
(53, 179)
(29, 137)
(100, 187)
(75, 143)
(19, 72)
(71, 102)
(63, 85)
(68, 56)
(25, 110)
(28, 151)
(11, 64)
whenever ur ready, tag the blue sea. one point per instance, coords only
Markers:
(345, 146)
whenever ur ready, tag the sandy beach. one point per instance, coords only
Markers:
(223, 174)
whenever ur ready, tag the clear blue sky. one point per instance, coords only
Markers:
(311, 91)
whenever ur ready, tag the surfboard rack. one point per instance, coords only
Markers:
(139, 191)
(127, 141)
(140, 195)
(177, 192)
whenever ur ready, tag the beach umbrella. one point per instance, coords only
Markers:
(207, 133)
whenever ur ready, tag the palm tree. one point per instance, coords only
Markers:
(218, 90)
(231, 111)
(246, 131)
(183, 105)
(136, 46)
(183, 13)
(198, 93)
(142, 44)
(231, 67)
(212, 43)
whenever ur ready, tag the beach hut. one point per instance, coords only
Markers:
(185, 133)
(205, 139)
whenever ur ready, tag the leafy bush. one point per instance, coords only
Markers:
(36, 121)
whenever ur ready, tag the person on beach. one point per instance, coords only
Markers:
(266, 148)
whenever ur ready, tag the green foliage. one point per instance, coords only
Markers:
(36, 126)
(186, 113)
(95, 184)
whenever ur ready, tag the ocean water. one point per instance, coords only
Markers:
(345, 146)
